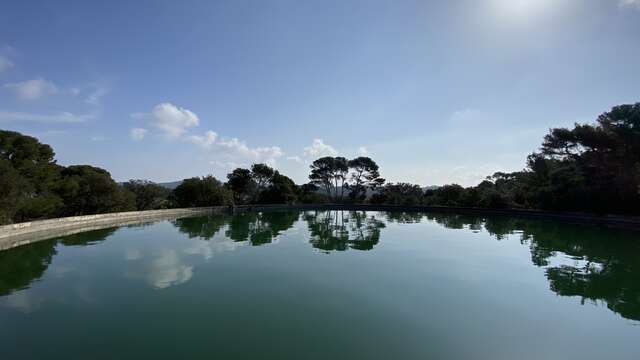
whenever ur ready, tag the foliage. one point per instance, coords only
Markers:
(309, 194)
(281, 190)
(33, 186)
(261, 185)
(365, 175)
(242, 184)
(201, 191)
(336, 174)
(330, 173)
(90, 190)
(398, 194)
(148, 195)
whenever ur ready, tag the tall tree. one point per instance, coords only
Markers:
(282, 190)
(331, 174)
(262, 174)
(244, 187)
(365, 174)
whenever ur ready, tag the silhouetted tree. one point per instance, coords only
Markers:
(330, 173)
(262, 175)
(365, 175)
(308, 194)
(281, 190)
(243, 185)
(398, 194)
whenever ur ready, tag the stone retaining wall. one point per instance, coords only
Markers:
(24, 233)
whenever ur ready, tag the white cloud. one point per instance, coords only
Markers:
(137, 134)
(32, 89)
(5, 64)
(362, 151)
(63, 117)
(94, 97)
(97, 138)
(630, 3)
(171, 120)
(133, 254)
(206, 141)
(318, 149)
(227, 165)
(239, 148)
(234, 150)
(168, 270)
(174, 122)
(295, 158)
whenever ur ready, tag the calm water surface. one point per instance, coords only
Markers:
(325, 285)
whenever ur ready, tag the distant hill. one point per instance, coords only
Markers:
(170, 185)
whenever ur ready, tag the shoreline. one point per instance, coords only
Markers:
(18, 234)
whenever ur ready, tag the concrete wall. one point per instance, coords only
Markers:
(28, 232)
(24, 233)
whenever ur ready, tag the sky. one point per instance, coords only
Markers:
(435, 92)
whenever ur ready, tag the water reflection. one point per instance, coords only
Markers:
(20, 266)
(341, 230)
(595, 264)
(260, 228)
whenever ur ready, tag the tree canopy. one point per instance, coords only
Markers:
(335, 175)
(587, 168)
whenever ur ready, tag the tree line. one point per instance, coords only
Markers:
(588, 168)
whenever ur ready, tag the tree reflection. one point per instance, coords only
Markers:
(402, 217)
(21, 266)
(204, 227)
(260, 228)
(341, 230)
(87, 238)
(596, 264)
(255, 227)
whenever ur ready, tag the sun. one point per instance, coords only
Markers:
(521, 8)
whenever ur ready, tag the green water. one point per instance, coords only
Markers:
(325, 285)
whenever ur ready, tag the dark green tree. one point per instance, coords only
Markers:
(309, 194)
(398, 194)
(365, 175)
(262, 175)
(331, 174)
(29, 177)
(281, 190)
(204, 191)
(90, 190)
(148, 195)
(241, 182)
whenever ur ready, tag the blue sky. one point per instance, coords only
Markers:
(435, 91)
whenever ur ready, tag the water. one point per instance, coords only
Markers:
(319, 285)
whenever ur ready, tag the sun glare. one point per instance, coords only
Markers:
(521, 9)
